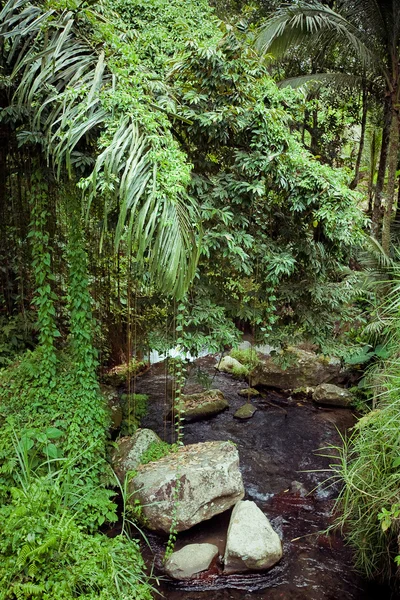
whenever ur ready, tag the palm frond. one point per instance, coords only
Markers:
(304, 23)
(337, 80)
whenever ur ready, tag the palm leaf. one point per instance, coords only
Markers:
(305, 22)
(338, 80)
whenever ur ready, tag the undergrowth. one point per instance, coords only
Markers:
(45, 552)
(369, 467)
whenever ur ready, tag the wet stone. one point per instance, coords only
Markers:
(190, 560)
(246, 411)
(203, 405)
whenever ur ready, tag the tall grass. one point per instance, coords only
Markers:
(369, 468)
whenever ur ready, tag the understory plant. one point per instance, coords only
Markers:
(46, 553)
(369, 468)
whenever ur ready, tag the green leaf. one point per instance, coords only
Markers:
(53, 433)
(52, 451)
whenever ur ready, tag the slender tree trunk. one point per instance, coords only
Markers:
(377, 208)
(391, 185)
(362, 138)
(372, 169)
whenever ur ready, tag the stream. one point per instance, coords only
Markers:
(279, 445)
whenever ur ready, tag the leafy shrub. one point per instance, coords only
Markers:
(247, 356)
(134, 408)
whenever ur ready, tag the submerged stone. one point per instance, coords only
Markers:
(246, 411)
(249, 393)
(190, 560)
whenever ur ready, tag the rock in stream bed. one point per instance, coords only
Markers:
(190, 560)
(332, 395)
(252, 544)
(209, 482)
(203, 405)
(246, 411)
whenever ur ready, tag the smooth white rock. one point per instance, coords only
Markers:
(252, 544)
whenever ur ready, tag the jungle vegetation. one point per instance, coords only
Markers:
(171, 174)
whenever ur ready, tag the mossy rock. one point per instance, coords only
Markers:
(203, 405)
(249, 393)
(296, 368)
(233, 367)
(246, 411)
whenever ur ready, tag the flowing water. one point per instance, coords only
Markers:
(279, 445)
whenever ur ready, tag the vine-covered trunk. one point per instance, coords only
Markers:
(377, 207)
(391, 184)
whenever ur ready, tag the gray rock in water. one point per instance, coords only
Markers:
(190, 560)
(246, 411)
(332, 395)
(252, 544)
(209, 482)
(203, 405)
(126, 457)
(302, 369)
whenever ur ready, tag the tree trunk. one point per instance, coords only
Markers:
(391, 185)
(372, 169)
(377, 208)
(354, 183)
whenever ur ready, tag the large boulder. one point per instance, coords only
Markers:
(302, 369)
(190, 560)
(252, 544)
(126, 457)
(332, 395)
(189, 486)
(203, 405)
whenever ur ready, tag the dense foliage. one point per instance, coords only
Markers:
(157, 188)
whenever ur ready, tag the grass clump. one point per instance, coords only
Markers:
(247, 356)
(369, 468)
(157, 450)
